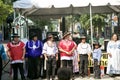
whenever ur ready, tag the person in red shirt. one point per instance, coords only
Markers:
(66, 47)
(16, 53)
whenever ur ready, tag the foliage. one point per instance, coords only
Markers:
(85, 21)
(40, 23)
(5, 10)
(98, 20)
(68, 22)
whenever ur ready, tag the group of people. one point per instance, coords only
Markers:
(41, 56)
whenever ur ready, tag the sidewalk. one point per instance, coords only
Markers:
(117, 78)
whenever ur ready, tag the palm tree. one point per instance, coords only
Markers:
(98, 21)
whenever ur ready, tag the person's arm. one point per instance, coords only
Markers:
(89, 52)
(56, 51)
(3, 55)
(8, 51)
(78, 51)
(108, 50)
(24, 50)
(44, 51)
(61, 50)
(41, 48)
(99, 56)
(73, 48)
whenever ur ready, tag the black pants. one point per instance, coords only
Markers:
(35, 67)
(83, 65)
(0, 68)
(51, 67)
(68, 64)
(96, 69)
(15, 68)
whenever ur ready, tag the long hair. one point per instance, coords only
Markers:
(113, 35)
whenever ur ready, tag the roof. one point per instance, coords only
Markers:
(65, 7)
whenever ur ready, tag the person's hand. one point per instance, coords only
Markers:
(4, 62)
(56, 58)
(98, 63)
(89, 58)
(92, 61)
(69, 53)
(26, 59)
(10, 58)
(46, 58)
(23, 57)
(110, 55)
(41, 56)
(78, 59)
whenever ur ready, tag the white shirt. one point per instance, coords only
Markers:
(84, 48)
(50, 50)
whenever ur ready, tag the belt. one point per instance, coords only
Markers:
(83, 54)
(52, 55)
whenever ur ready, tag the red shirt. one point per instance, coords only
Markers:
(66, 45)
(16, 51)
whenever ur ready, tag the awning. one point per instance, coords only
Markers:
(65, 7)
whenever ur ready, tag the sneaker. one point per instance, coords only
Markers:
(97, 77)
(81, 77)
(111, 75)
(87, 77)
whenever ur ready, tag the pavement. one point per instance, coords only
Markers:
(6, 76)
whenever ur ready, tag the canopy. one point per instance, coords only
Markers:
(66, 7)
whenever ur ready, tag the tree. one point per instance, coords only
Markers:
(71, 20)
(41, 23)
(5, 10)
(98, 21)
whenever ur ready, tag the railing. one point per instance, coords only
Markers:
(103, 61)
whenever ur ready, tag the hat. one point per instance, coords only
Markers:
(32, 35)
(15, 35)
(66, 34)
(82, 37)
(49, 35)
(96, 43)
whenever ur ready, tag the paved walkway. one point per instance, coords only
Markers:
(6, 76)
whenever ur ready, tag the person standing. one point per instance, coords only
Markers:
(3, 57)
(16, 54)
(84, 51)
(97, 53)
(66, 47)
(113, 50)
(34, 56)
(50, 52)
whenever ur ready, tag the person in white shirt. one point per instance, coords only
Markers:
(113, 51)
(84, 51)
(50, 52)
